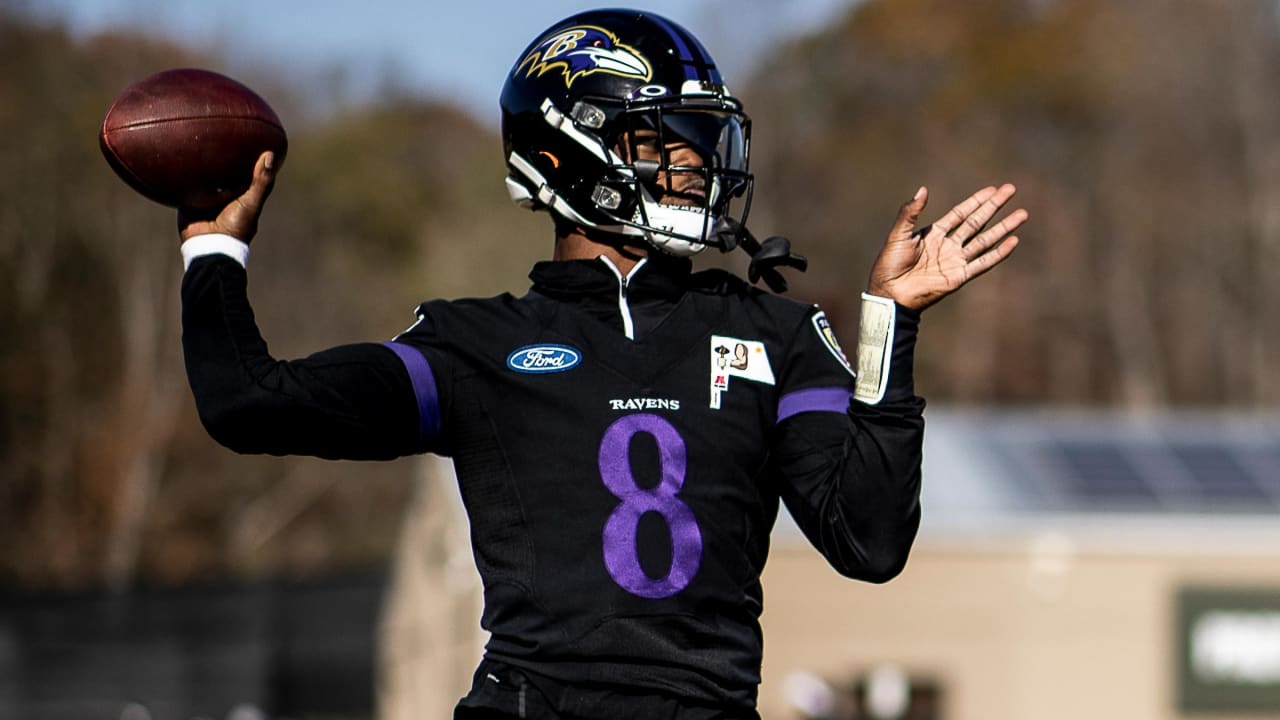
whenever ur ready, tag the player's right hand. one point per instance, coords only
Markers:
(239, 218)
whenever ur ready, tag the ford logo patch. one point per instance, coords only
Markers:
(538, 359)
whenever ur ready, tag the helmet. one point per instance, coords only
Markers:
(585, 89)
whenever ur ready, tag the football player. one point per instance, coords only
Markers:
(623, 432)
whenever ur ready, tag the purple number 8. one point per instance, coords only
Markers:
(621, 557)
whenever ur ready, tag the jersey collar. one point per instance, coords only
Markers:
(662, 277)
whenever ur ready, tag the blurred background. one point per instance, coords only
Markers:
(1101, 533)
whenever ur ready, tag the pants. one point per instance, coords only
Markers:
(501, 692)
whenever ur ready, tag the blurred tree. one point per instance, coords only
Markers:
(89, 348)
(107, 475)
(1143, 148)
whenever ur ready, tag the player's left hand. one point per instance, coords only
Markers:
(918, 267)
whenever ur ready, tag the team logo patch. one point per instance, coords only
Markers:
(731, 357)
(542, 359)
(828, 337)
(583, 50)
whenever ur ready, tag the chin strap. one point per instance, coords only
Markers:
(766, 257)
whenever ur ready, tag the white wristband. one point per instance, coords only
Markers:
(214, 244)
(875, 348)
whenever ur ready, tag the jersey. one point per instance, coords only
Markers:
(622, 444)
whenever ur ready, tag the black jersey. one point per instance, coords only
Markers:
(621, 446)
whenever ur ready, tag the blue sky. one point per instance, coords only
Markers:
(460, 49)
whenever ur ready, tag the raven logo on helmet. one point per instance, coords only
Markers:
(582, 50)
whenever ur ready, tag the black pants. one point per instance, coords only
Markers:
(501, 692)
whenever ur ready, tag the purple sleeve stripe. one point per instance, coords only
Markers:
(824, 399)
(424, 387)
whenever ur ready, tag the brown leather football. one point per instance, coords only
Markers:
(189, 137)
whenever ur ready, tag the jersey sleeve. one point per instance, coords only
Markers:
(365, 401)
(849, 471)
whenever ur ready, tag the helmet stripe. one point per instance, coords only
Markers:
(697, 65)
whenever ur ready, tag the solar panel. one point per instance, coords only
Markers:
(1263, 464)
(1218, 474)
(1115, 463)
(1098, 472)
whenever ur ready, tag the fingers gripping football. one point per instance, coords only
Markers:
(239, 218)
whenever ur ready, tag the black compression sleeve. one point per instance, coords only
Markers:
(350, 402)
(852, 480)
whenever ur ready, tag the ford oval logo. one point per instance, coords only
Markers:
(538, 359)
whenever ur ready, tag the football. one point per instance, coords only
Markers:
(189, 137)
